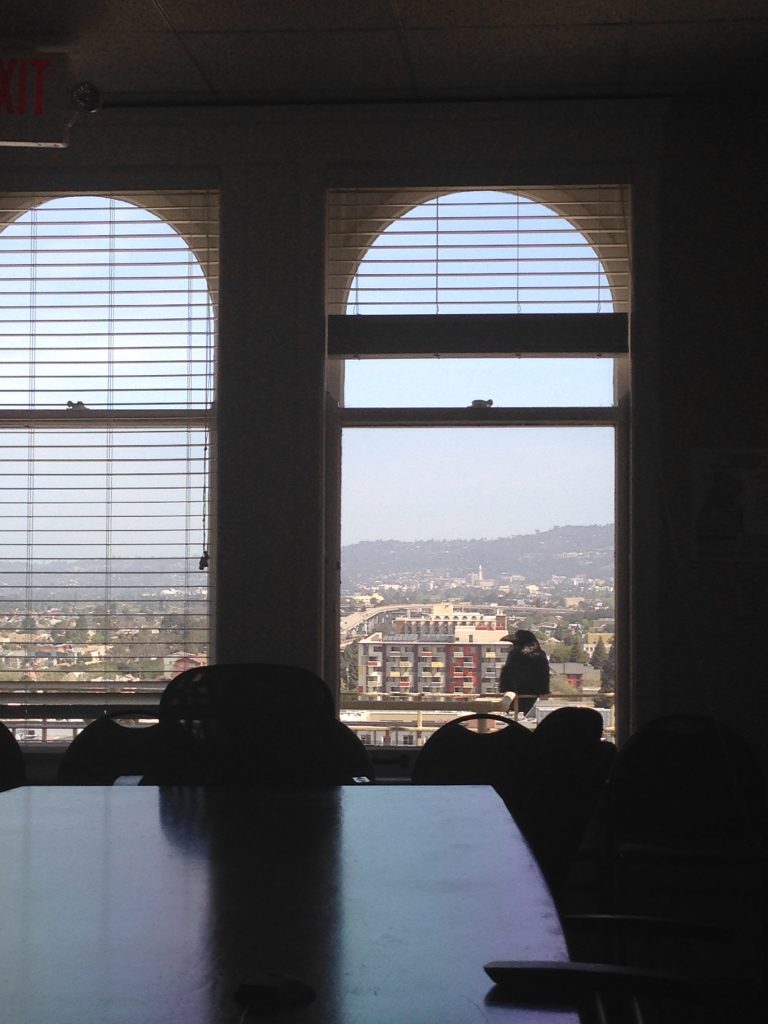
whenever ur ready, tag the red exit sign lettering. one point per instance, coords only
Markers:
(34, 99)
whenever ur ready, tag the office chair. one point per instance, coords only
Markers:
(13, 771)
(686, 835)
(561, 781)
(608, 993)
(259, 724)
(456, 755)
(688, 790)
(550, 780)
(106, 751)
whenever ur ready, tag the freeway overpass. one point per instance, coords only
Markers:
(370, 617)
(350, 624)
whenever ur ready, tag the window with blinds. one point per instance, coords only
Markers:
(522, 250)
(503, 310)
(107, 345)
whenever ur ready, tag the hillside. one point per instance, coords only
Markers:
(561, 551)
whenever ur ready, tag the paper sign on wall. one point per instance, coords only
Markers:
(730, 494)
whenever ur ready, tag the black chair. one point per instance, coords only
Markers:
(13, 771)
(259, 725)
(561, 782)
(457, 755)
(686, 833)
(105, 750)
(688, 790)
(686, 780)
(657, 966)
(608, 993)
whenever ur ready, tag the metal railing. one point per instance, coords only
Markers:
(46, 714)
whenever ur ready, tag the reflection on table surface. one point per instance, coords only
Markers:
(138, 905)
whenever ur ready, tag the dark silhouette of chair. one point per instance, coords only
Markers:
(105, 750)
(259, 725)
(12, 768)
(550, 778)
(562, 779)
(456, 755)
(686, 831)
(656, 965)
(685, 778)
(609, 993)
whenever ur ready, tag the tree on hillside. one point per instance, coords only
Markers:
(599, 654)
(348, 667)
(608, 672)
(560, 653)
(577, 651)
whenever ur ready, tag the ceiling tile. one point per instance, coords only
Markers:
(22, 19)
(277, 15)
(149, 62)
(670, 11)
(76, 19)
(304, 66)
(690, 57)
(370, 49)
(488, 13)
(546, 60)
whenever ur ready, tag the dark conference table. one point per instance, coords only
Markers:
(138, 905)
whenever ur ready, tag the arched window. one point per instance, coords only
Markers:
(104, 303)
(106, 333)
(485, 308)
(486, 252)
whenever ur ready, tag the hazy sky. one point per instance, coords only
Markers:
(416, 484)
(479, 252)
(402, 484)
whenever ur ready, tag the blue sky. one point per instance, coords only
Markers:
(477, 252)
(444, 483)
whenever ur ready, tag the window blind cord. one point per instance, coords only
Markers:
(437, 254)
(109, 447)
(517, 254)
(205, 558)
(29, 576)
(598, 266)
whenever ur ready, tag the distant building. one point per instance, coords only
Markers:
(592, 639)
(446, 651)
(175, 664)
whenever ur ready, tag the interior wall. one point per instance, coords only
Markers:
(712, 380)
(697, 352)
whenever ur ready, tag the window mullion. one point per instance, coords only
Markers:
(495, 417)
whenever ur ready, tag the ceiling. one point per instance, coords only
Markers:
(149, 52)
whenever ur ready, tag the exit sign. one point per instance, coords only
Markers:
(35, 104)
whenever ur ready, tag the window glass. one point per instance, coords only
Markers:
(101, 302)
(478, 528)
(435, 383)
(481, 251)
(106, 330)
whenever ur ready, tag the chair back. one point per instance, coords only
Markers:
(261, 724)
(106, 750)
(686, 831)
(12, 768)
(563, 778)
(685, 777)
(456, 755)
